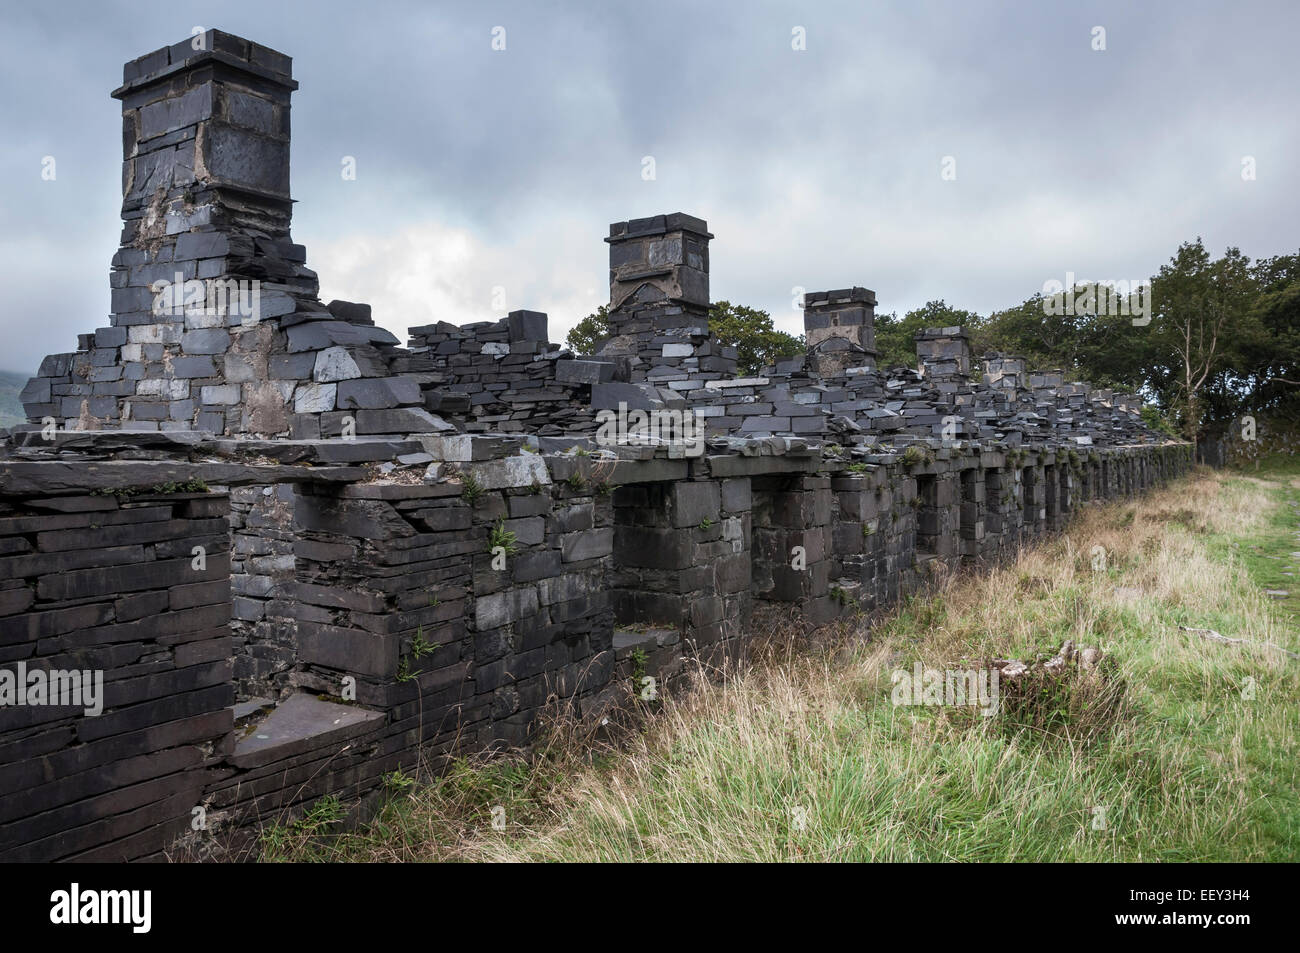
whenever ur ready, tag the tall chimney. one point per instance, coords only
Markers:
(658, 292)
(206, 213)
(205, 136)
(216, 324)
(944, 356)
(840, 330)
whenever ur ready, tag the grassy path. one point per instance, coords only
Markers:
(1272, 556)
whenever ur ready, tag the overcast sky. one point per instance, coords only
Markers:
(820, 168)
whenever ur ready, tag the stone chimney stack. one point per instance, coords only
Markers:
(944, 356)
(848, 314)
(205, 173)
(659, 293)
(205, 209)
(666, 255)
(205, 137)
(1003, 371)
(840, 330)
(216, 324)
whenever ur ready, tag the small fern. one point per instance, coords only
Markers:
(502, 538)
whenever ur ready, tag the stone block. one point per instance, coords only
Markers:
(584, 372)
(400, 420)
(502, 608)
(691, 503)
(314, 398)
(168, 115)
(378, 392)
(530, 567)
(212, 394)
(353, 651)
(335, 364)
(350, 311)
(241, 368)
(609, 395)
(200, 366)
(207, 341)
(736, 495)
(587, 544)
(519, 471)
(526, 326)
(292, 366)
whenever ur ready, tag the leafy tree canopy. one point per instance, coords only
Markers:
(585, 336)
(751, 332)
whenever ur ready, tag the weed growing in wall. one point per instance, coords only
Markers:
(471, 489)
(915, 455)
(501, 538)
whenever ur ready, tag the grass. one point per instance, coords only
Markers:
(1184, 750)
(1270, 554)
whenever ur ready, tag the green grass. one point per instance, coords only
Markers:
(1271, 552)
(1189, 747)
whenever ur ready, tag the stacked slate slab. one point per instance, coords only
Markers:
(504, 376)
(92, 584)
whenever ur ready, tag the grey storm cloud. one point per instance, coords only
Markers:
(487, 175)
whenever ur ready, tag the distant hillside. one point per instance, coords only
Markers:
(11, 408)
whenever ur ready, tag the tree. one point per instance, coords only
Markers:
(1104, 349)
(585, 336)
(752, 333)
(749, 330)
(1201, 308)
(1270, 349)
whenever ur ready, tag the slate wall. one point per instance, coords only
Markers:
(94, 583)
(375, 627)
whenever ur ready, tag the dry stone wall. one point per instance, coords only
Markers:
(106, 594)
(300, 556)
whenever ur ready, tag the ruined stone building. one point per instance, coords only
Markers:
(300, 553)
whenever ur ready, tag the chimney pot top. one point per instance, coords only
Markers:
(658, 225)
(214, 46)
(828, 299)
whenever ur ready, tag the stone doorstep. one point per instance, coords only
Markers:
(249, 711)
(627, 641)
(298, 724)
